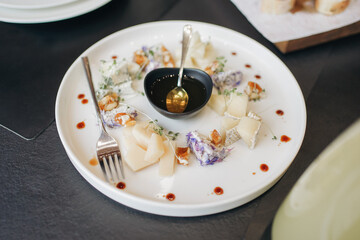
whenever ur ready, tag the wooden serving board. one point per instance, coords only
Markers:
(301, 43)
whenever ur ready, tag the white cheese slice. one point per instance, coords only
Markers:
(155, 148)
(248, 129)
(134, 158)
(228, 123)
(167, 161)
(127, 138)
(217, 102)
(142, 135)
(237, 105)
(132, 154)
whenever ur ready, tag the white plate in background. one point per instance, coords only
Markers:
(323, 204)
(50, 14)
(32, 4)
(239, 175)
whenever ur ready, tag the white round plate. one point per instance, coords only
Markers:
(33, 4)
(239, 175)
(50, 14)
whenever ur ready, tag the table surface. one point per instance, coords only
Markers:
(43, 196)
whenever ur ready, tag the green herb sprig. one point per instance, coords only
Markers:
(161, 131)
(221, 64)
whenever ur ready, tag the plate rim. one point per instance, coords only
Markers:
(171, 209)
(38, 6)
(72, 10)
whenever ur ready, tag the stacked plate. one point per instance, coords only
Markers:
(41, 11)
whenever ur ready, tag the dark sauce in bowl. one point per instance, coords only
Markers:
(162, 86)
(159, 82)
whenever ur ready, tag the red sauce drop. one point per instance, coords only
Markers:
(170, 196)
(84, 101)
(218, 191)
(247, 65)
(121, 185)
(285, 138)
(93, 162)
(80, 96)
(114, 57)
(80, 125)
(254, 173)
(257, 76)
(264, 167)
(280, 112)
(233, 53)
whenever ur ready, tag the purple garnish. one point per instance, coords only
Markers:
(226, 80)
(205, 151)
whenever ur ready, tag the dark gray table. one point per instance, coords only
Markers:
(42, 196)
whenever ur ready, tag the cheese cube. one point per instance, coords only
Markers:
(134, 158)
(155, 148)
(142, 135)
(228, 123)
(248, 129)
(217, 102)
(237, 105)
(167, 161)
(132, 154)
(127, 138)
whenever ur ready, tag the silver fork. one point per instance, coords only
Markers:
(107, 149)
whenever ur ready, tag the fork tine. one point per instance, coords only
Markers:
(113, 170)
(109, 175)
(119, 166)
(102, 165)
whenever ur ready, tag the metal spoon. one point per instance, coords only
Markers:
(177, 99)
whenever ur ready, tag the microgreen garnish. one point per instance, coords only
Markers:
(160, 130)
(138, 76)
(227, 92)
(107, 82)
(221, 64)
(172, 135)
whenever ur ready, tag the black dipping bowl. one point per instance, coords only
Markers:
(197, 83)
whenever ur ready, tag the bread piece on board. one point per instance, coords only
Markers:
(331, 7)
(277, 6)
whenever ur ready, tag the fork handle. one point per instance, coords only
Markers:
(86, 65)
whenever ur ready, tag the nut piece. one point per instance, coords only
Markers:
(109, 102)
(124, 119)
(140, 58)
(182, 154)
(215, 137)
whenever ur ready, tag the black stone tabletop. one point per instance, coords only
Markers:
(42, 196)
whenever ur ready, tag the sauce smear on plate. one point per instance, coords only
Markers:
(80, 125)
(218, 191)
(285, 138)
(280, 112)
(264, 167)
(170, 196)
(121, 185)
